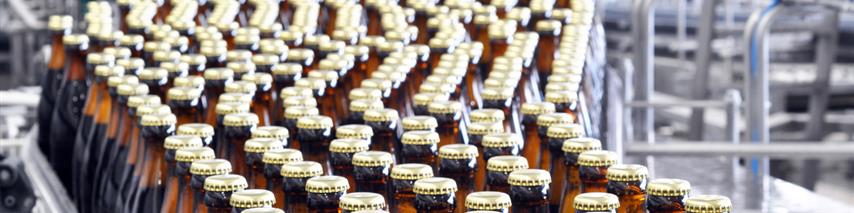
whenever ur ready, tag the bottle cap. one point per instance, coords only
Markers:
(327, 184)
(115, 81)
(484, 128)
(529, 177)
(708, 204)
(579, 145)
(362, 105)
(356, 131)
(562, 96)
(444, 107)
(458, 151)
(314, 122)
(152, 109)
(565, 78)
(537, 108)
(424, 99)
(167, 56)
(275, 132)
(411, 171)
(301, 169)
(131, 40)
(597, 158)
(554, 118)
(252, 198)
(118, 52)
(420, 137)
(297, 112)
(75, 39)
(372, 159)
(380, 115)
(192, 154)
(358, 201)
(487, 115)
(559, 87)
(287, 69)
(238, 56)
(225, 183)
(153, 73)
(627, 172)
(263, 210)
(225, 108)
(328, 76)
(565, 131)
(260, 79)
(107, 71)
(210, 167)
(668, 187)
(282, 156)
(60, 22)
(419, 122)
(295, 91)
(316, 84)
(501, 140)
(435, 186)
(240, 119)
(184, 93)
(377, 83)
(190, 81)
(261, 145)
(506, 163)
(216, 73)
(176, 68)
(497, 93)
(180, 141)
(488, 200)
(132, 89)
(299, 101)
(365, 93)
(201, 130)
(160, 119)
(349, 145)
(596, 201)
(431, 87)
(194, 59)
(246, 87)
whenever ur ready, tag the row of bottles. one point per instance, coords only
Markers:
(306, 106)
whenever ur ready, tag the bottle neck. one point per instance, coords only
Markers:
(57, 57)
(76, 68)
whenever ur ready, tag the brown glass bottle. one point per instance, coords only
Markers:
(357, 94)
(596, 202)
(314, 134)
(178, 186)
(295, 175)
(708, 203)
(327, 101)
(448, 113)
(354, 131)
(529, 190)
(532, 146)
(251, 198)
(628, 182)
(303, 57)
(371, 171)
(385, 124)
(263, 98)
(325, 192)
(358, 107)
(667, 195)
(500, 99)
(223, 109)
(435, 195)
(421, 102)
(51, 82)
(237, 130)
(419, 146)
(219, 189)
(155, 128)
(196, 64)
(186, 104)
(104, 143)
(572, 148)
(156, 79)
(285, 93)
(175, 70)
(255, 149)
(292, 116)
(136, 157)
(403, 177)
(114, 150)
(201, 170)
(201, 130)
(215, 81)
(419, 122)
(488, 201)
(275, 132)
(71, 97)
(499, 169)
(284, 76)
(593, 168)
(459, 162)
(556, 135)
(549, 31)
(497, 144)
(545, 121)
(360, 201)
(341, 153)
(273, 161)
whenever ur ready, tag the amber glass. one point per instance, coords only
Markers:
(184, 202)
(462, 171)
(323, 202)
(403, 197)
(572, 184)
(263, 104)
(449, 128)
(632, 195)
(197, 196)
(187, 111)
(532, 147)
(497, 181)
(96, 166)
(532, 199)
(51, 83)
(558, 170)
(213, 89)
(417, 153)
(593, 178)
(66, 117)
(372, 179)
(151, 189)
(314, 143)
(112, 161)
(665, 204)
(295, 194)
(217, 202)
(92, 125)
(232, 147)
(545, 55)
(385, 136)
(442, 203)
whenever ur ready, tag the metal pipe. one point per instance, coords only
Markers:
(643, 29)
(702, 59)
(683, 103)
(802, 149)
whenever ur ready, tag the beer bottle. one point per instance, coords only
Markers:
(275, 132)
(237, 130)
(341, 153)
(529, 190)
(222, 110)
(421, 102)
(71, 97)
(201, 130)
(403, 177)
(556, 135)
(419, 122)
(292, 116)
(88, 141)
(156, 79)
(459, 162)
(486, 115)
(284, 76)
(178, 197)
(360, 201)
(596, 202)
(497, 144)
(134, 43)
(241, 68)
(325, 192)
(545, 121)
(242, 87)
(193, 81)
(667, 195)
(593, 168)
(51, 82)
(196, 64)
(488, 201)
(246, 40)
(201, 170)
(155, 128)
(477, 130)
(359, 71)
(285, 93)
(371, 171)
(273, 161)
(572, 148)
(531, 148)
(175, 70)
(448, 113)
(364, 93)
(328, 98)
(303, 57)
(359, 106)
(500, 98)
(236, 97)
(264, 210)
(215, 81)
(219, 189)
(354, 131)
(628, 182)
(150, 48)
(186, 104)
(274, 48)
(419, 146)
(549, 31)
(114, 158)
(435, 195)
(499, 168)
(314, 134)
(101, 142)
(214, 55)
(295, 175)
(251, 198)
(708, 203)
(263, 97)
(565, 101)
(292, 38)
(385, 124)
(255, 149)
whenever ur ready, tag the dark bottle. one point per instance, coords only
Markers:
(628, 182)
(477, 130)
(237, 130)
(371, 171)
(156, 79)
(214, 55)
(196, 64)
(175, 70)
(264, 210)
(273, 161)
(255, 149)
(51, 82)
(385, 124)
(304, 57)
(500, 99)
(488, 201)
(236, 97)
(114, 150)
(317, 85)
(284, 93)
(435, 195)
(459, 162)
(572, 148)
(284, 77)
(306, 101)
(529, 190)
(359, 72)
(215, 81)
(341, 153)
(263, 103)
(325, 192)
(359, 106)
(70, 100)
(241, 86)
(275, 132)
(360, 201)
(178, 195)
(275, 48)
(421, 102)
(219, 189)
(708, 203)
(530, 112)
(593, 168)
(549, 31)
(251, 198)
(295, 175)
(499, 169)
(201, 170)
(667, 195)
(448, 113)
(186, 103)
(419, 146)
(155, 128)
(557, 135)
(403, 177)
(241, 68)
(134, 43)
(314, 135)
(565, 101)
(201, 130)
(419, 122)
(292, 116)
(362, 93)
(596, 202)
(150, 47)
(354, 131)
(326, 101)
(497, 144)
(545, 121)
